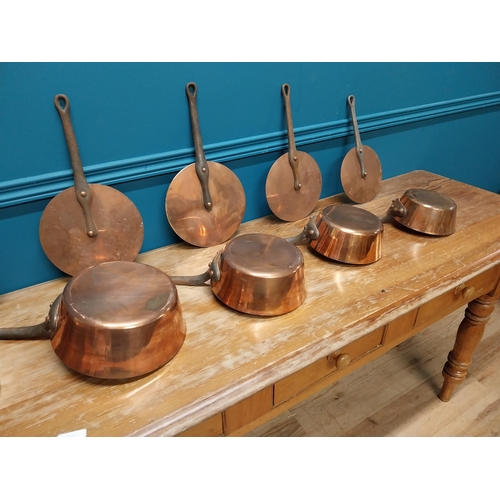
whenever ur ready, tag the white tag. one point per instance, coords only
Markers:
(78, 433)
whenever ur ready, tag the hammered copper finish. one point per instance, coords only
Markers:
(87, 224)
(349, 234)
(428, 212)
(293, 184)
(119, 320)
(261, 274)
(361, 170)
(189, 218)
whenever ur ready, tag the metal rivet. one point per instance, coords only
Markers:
(83, 194)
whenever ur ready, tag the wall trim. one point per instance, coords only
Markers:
(29, 189)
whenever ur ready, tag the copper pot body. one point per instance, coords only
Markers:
(426, 211)
(118, 320)
(348, 234)
(260, 274)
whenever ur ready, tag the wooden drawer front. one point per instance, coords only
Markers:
(248, 410)
(453, 299)
(301, 380)
(211, 427)
(400, 326)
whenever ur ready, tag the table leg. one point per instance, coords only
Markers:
(469, 334)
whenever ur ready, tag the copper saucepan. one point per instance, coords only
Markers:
(115, 320)
(344, 233)
(353, 235)
(256, 274)
(424, 211)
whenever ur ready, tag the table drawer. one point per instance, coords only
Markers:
(400, 327)
(301, 380)
(248, 410)
(453, 299)
(212, 427)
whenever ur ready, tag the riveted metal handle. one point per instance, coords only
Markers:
(359, 146)
(211, 274)
(293, 157)
(397, 209)
(201, 164)
(83, 192)
(310, 232)
(40, 331)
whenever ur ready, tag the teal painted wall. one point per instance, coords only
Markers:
(133, 130)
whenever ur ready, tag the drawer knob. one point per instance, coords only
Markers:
(339, 360)
(466, 291)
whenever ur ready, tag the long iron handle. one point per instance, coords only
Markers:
(293, 157)
(359, 146)
(212, 274)
(83, 192)
(310, 232)
(35, 332)
(201, 164)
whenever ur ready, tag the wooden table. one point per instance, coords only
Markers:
(236, 371)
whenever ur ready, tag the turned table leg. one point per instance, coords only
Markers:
(469, 334)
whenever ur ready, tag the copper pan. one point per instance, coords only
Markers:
(424, 211)
(361, 170)
(205, 201)
(257, 274)
(87, 224)
(344, 233)
(116, 320)
(293, 184)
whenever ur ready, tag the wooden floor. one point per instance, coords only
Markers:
(396, 395)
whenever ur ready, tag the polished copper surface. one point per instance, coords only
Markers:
(261, 274)
(361, 189)
(205, 201)
(284, 200)
(87, 224)
(293, 184)
(428, 212)
(63, 235)
(189, 218)
(349, 234)
(361, 170)
(119, 320)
